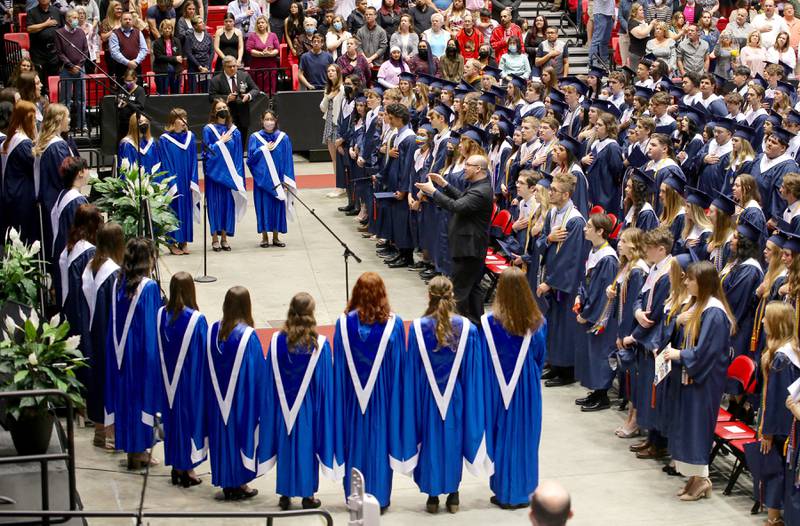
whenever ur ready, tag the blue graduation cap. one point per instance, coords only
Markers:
(460, 93)
(686, 259)
(465, 86)
(546, 180)
(676, 91)
(793, 117)
(597, 71)
(580, 86)
(499, 92)
(570, 143)
(506, 127)
(745, 133)
(787, 69)
(724, 204)
(761, 81)
(665, 85)
(448, 85)
(643, 177)
(786, 88)
(782, 134)
(408, 76)
(506, 113)
(424, 78)
(694, 114)
(629, 71)
(428, 128)
(377, 89)
(361, 99)
(791, 241)
(556, 94)
(644, 92)
(648, 59)
(476, 134)
(777, 238)
(491, 71)
(604, 105)
(488, 97)
(748, 229)
(559, 108)
(724, 122)
(519, 82)
(774, 118)
(676, 181)
(444, 111)
(455, 137)
(698, 197)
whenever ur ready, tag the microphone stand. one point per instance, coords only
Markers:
(205, 278)
(347, 252)
(158, 434)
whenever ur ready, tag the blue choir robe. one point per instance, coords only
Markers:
(148, 151)
(133, 385)
(740, 282)
(71, 264)
(397, 177)
(61, 217)
(628, 287)
(179, 160)
(513, 409)
(443, 405)
(730, 173)
(271, 167)
(440, 149)
(651, 300)
(422, 219)
(710, 178)
(367, 365)
(47, 179)
(769, 174)
(563, 269)
(534, 109)
(19, 190)
(224, 171)
(234, 400)
(591, 361)
(659, 171)
(646, 219)
(705, 362)
(572, 122)
(182, 356)
(297, 425)
(605, 174)
(774, 419)
(98, 293)
(691, 162)
(581, 194)
(756, 119)
(665, 124)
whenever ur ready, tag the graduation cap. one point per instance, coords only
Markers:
(726, 123)
(518, 81)
(676, 181)
(665, 85)
(644, 92)
(648, 59)
(694, 114)
(686, 259)
(774, 118)
(407, 75)
(506, 113)
(637, 157)
(424, 78)
(791, 241)
(698, 197)
(748, 229)
(605, 106)
(465, 86)
(787, 69)
(643, 177)
(448, 85)
(745, 133)
(491, 71)
(761, 81)
(778, 238)
(676, 91)
(444, 111)
(506, 127)
(570, 143)
(510, 246)
(427, 127)
(786, 88)
(455, 137)
(361, 99)
(597, 71)
(793, 117)
(476, 134)
(762, 466)
(546, 180)
(724, 204)
(782, 224)
(580, 86)
(630, 72)
(499, 92)
(782, 134)
(488, 97)
(460, 93)
(559, 108)
(556, 94)
(377, 89)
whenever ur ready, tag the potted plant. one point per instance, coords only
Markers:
(37, 356)
(20, 271)
(120, 197)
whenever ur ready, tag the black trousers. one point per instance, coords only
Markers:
(467, 274)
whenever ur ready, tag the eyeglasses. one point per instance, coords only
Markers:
(472, 164)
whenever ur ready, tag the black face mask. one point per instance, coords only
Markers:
(348, 90)
(451, 52)
(483, 54)
(222, 114)
(143, 128)
(422, 52)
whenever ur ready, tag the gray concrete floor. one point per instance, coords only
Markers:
(608, 484)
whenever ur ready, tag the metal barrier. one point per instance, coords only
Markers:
(13, 56)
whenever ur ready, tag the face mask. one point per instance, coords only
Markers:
(512, 49)
(421, 139)
(74, 23)
(348, 90)
(143, 128)
(222, 114)
(269, 126)
(337, 26)
(483, 53)
(309, 30)
(451, 49)
(423, 52)
(659, 2)
(129, 85)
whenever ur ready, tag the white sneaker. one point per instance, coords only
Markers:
(339, 192)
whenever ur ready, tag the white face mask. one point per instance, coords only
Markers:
(658, 2)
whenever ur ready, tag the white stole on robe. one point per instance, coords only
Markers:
(92, 283)
(506, 389)
(15, 141)
(63, 200)
(364, 392)
(226, 402)
(65, 260)
(37, 165)
(274, 176)
(240, 194)
(171, 384)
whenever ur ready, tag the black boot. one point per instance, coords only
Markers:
(452, 502)
(432, 505)
(599, 403)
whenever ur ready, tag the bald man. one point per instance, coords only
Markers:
(550, 505)
(468, 231)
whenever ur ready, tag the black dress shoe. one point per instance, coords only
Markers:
(640, 446)
(389, 261)
(284, 503)
(345, 208)
(586, 400)
(351, 213)
(384, 509)
(419, 265)
(559, 381)
(310, 503)
(596, 405)
(386, 253)
(549, 374)
(432, 505)
(452, 502)
(400, 263)
(239, 493)
(428, 274)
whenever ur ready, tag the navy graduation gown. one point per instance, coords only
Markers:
(179, 160)
(646, 220)
(591, 362)
(298, 426)
(711, 177)
(133, 384)
(443, 405)
(769, 174)
(443, 261)
(47, 179)
(706, 363)
(753, 213)
(563, 270)
(791, 496)
(148, 150)
(367, 365)
(581, 194)
(691, 163)
(740, 285)
(270, 168)
(234, 400)
(423, 219)
(182, 356)
(440, 150)
(396, 176)
(729, 175)
(628, 292)
(71, 300)
(604, 175)
(60, 220)
(513, 409)
(224, 171)
(98, 293)
(19, 190)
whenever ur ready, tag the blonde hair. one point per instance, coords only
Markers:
(780, 329)
(54, 117)
(672, 205)
(695, 216)
(441, 305)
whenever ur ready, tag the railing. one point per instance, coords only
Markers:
(12, 57)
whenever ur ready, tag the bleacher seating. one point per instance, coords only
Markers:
(23, 39)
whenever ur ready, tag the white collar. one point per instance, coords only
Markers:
(65, 260)
(91, 283)
(595, 256)
(119, 343)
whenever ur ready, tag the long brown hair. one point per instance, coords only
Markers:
(708, 286)
(722, 226)
(514, 306)
(236, 309)
(369, 299)
(441, 305)
(110, 245)
(212, 116)
(85, 225)
(54, 117)
(133, 129)
(23, 118)
(780, 330)
(137, 263)
(301, 325)
(181, 294)
(774, 267)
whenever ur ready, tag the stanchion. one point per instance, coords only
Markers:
(205, 278)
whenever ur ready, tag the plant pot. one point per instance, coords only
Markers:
(31, 433)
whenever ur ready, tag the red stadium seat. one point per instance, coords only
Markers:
(23, 39)
(724, 416)
(52, 87)
(743, 370)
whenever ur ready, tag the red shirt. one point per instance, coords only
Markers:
(469, 44)
(499, 40)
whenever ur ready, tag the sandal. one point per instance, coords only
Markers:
(264, 244)
(226, 247)
(184, 248)
(175, 251)
(621, 433)
(215, 246)
(278, 244)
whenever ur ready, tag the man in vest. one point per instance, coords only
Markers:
(128, 47)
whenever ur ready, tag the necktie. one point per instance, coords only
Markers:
(233, 84)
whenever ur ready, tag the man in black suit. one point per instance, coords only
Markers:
(237, 89)
(468, 234)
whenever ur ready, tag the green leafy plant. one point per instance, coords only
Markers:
(119, 199)
(21, 270)
(39, 356)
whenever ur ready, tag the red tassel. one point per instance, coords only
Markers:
(374, 209)
(653, 398)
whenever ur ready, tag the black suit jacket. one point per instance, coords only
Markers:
(468, 234)
(219, 88)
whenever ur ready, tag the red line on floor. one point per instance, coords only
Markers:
(309, 181)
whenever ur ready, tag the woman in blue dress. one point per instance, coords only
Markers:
(234, 397)
(182, 332)
(443, 407)
(147, 154)
(224, 170)
(703, 359)
(74, 173)
(97, 283)
(297, 424)
(18, 189)
(780, 368)
(269, 156)
(596, 315)
(179, 160)
(369, 346)
(133, 386)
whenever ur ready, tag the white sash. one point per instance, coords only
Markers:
(92, 283)
(506, 389)
(290, 414)
(364, 392)
(595, 256)
(37, 162)
(226, 403)
(273, 174)
(65, 260)
(15, 141)
(171, 385)
(119, 343)
(240, 194)
(766, 163)
(790, 352)
(55, 214)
